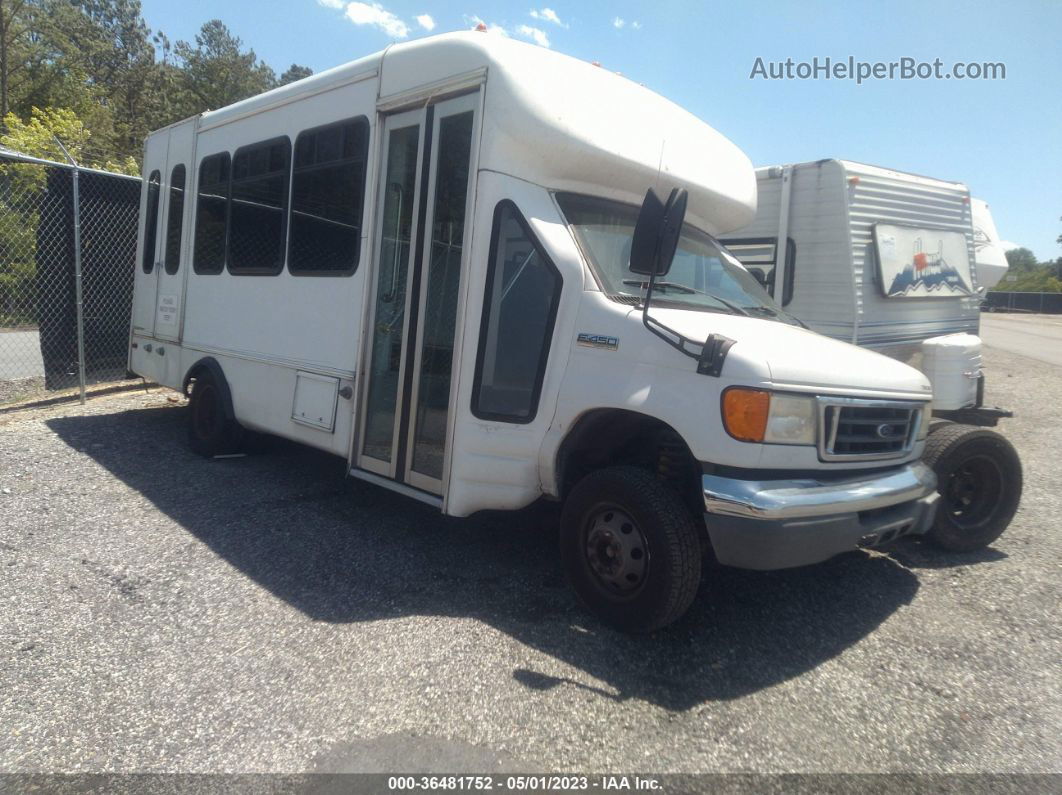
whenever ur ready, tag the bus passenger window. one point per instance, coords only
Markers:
(520, 307)
(175, 220)
(151, 222)
(258, 207)
(327, 190)
(211, 214)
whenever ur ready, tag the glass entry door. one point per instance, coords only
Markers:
(422, 205)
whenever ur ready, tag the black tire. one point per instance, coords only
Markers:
(211, 432)
(609, 516)
(979, 479)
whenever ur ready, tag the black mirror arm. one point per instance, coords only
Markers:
(676, 340)
(709, 356)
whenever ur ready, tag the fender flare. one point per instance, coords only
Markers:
(210, 365)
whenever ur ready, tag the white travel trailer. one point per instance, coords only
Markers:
(425, 261)
(990, 256)
(891, 261)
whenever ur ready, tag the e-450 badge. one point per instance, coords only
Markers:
(598, 341)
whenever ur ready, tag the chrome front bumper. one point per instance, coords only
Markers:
(774, 524)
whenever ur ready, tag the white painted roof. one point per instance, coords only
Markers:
(853, 167)
(561, 122)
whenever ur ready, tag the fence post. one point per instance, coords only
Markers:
(79, 306)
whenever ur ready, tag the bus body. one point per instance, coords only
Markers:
(418, 261)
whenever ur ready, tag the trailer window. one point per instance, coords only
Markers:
(759, 255)
(328, 183)
(519, 309)
(258, 207)
(211, 214)
(151, 222)
(175, 220)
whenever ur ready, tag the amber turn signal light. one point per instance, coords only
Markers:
(745, 413)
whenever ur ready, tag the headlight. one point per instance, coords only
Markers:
(927, 415)
(756, 415)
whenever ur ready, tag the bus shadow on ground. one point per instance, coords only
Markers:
(340, 550)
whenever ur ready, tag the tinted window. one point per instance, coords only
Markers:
(175, 219)
(211, 214)
(151, 223)
(519, 308)
(326, 198)
(259, 202)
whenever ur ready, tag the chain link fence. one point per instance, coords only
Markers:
(1040, 303)
(67, 259)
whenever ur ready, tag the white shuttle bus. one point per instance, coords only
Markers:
(425, 262)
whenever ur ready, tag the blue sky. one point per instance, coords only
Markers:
(1003, 137)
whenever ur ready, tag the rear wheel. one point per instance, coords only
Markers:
(630, 548)
(210, 430)
(979, 478)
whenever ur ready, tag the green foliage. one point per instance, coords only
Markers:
(217, 71)
(1041, 280)
(92, 73)
(1026, 275)
(293, 73)
(1021, 259)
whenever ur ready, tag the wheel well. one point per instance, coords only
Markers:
(611, 437)
(209, 364)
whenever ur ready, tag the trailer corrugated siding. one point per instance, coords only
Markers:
(818, 227)
(883, 196)
(824, 290)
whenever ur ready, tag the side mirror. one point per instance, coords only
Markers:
(657, 232)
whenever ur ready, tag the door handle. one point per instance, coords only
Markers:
(346, 393)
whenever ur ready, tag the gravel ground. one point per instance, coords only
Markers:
(159, 612)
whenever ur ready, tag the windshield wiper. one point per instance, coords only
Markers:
(737, 310)
(666, 285)
(682, 288)
(781, 317)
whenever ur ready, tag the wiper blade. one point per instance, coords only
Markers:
(662, 285)
(737, 310)
(682, 288)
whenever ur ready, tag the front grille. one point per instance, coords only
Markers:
(867, 429)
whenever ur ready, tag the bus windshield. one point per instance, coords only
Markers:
(703, 276)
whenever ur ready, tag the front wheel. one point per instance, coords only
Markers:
(630, 548)
(979, 478)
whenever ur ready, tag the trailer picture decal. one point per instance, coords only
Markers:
(922, 263)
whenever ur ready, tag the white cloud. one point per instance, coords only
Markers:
(332, 3)
(377, 16)
(536, 35)
(636, 25)
(618, 23)
(547, 15)
(425, 21)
